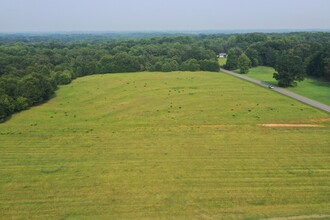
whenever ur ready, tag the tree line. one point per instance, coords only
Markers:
(31, 68)
(293, 56)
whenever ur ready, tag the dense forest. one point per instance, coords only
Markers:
(32, 67)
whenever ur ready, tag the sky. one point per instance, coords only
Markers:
(162, 15)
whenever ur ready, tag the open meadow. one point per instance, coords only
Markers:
(181, 145)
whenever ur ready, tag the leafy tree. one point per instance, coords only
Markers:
(315, 66)
(268, 56)
(302, 50)
(190, 65)
(157, 66)
(105, 65)
(6, 106)
(319, 64)
(21, 103)
(254, 56)
(170, 66)
(62, 78)
(209, 65)
(232, 58)
(8, 85)
(290, 68)
(36, 88)
(123, 62)
(244, 63)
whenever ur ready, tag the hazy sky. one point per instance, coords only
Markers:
(164, 15)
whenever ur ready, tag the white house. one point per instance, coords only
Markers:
(222, 55)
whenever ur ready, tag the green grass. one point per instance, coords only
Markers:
(311, 88)
(164, 145)
(263, 73)
(222, 61)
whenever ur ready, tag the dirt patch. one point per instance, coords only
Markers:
(293, 125)
(300, 217)
(320, 120)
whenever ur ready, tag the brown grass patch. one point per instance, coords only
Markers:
(320, 120)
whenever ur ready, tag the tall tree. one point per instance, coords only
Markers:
(290, 68)
(232, 60)
(254, 56)
(244, 63)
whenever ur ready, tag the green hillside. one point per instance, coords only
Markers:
(177, 145)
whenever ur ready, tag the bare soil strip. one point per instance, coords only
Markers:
(292, 125)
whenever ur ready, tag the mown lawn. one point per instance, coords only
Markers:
(176, 145)
(222, 61)
(311, 88)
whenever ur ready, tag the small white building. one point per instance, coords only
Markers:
(222, 55)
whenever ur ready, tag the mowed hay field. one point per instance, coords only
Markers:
(175, 145)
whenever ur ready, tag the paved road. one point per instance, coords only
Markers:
(282, 91)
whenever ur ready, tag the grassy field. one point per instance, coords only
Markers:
(222, 61)
(164, 145)
(311, 88)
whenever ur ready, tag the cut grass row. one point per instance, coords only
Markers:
(164, 145)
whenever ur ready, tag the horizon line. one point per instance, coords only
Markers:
(236, 30)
